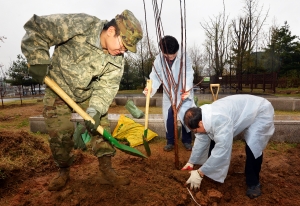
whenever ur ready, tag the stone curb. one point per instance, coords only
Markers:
(287, 128)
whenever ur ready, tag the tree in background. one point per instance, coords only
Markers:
(18, 75)
(18, 71)
(126, 78)
(217, 41)
(271, 57)
(1, 65)
(283, 53)
(256, 19)
(2, 39)
(199, 62)
(139, 65)
(239, 36)
(245, 35)
(2, 76)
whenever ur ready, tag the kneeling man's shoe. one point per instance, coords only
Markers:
(254, 191)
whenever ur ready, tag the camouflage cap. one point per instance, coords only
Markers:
(130, 29)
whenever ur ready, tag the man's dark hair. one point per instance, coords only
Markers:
(114, 24)
(168, 45)
(192, 117)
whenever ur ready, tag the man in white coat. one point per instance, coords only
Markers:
(166, 71)
(220, 122)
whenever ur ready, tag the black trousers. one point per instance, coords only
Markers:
(252, 167)
(186, 136)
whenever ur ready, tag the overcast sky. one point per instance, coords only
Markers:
(14, 14)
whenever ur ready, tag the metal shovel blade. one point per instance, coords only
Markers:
(146, 145)
(87, 117)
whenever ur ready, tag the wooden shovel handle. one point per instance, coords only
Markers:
(52, 84)
(149, 87)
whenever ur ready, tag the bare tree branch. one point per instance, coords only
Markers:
(217, 41)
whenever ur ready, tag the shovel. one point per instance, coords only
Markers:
(146, 145)
(87, 117)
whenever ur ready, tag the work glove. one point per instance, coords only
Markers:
(188, 166)
(92, 128)
(77, 137)
(194, 180)
(38, 72)
(184, 95)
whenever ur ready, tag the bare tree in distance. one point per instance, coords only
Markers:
(256, 20)
(267, 35)
(2, 39)
(217, 41)
(199, 61)
(2, 76)
(245, 35)
(2, 73)
(240, 35)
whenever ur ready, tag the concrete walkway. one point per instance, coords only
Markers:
(279, 103)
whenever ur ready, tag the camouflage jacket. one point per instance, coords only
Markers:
(78, 65)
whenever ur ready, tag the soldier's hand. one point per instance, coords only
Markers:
(38, 72)
(92, 128)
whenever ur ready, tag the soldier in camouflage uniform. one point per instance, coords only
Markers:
(87, 63)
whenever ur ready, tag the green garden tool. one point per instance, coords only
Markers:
(87, 117)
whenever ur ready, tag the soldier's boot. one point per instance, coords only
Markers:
(60, 180)
(108, 174)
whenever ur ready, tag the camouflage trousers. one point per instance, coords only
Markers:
(57, 116)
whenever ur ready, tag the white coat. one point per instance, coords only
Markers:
(160, 66)
(223, 120)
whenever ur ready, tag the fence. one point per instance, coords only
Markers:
(238, 82)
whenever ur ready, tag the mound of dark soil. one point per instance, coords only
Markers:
(154, 181)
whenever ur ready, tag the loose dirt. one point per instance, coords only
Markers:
(154, 181)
